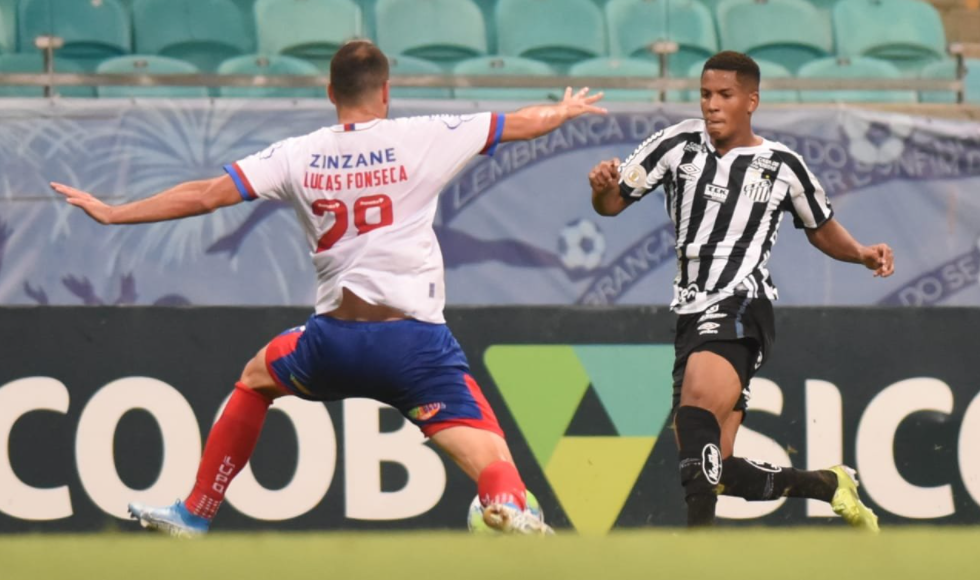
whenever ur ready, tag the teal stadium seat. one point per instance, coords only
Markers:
(946, 69)
(407, 65)
(489, 10)
(786, 32)
(444, 31)
(309, 29)
(558, 32)
(856, 68)
(8, 26)
(767, 70)
(907, 33)
(148, 64)
(246, 8)
(204, 33)
(258, 65)
(33, 63)
(634, 25)
(826, 6)
(616, 67)
(92, 29)
(505, 65)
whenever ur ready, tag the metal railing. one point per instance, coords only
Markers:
(51, 79)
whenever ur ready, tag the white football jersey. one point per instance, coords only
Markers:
(366, 195)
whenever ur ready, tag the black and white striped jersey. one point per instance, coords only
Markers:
(726, 209)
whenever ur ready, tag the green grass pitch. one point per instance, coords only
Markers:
(755, 554)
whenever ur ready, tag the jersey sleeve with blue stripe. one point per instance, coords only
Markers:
(265, 174)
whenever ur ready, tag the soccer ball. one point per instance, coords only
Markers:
(581, 245)
(474, 519)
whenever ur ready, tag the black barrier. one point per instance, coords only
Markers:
(99, 406)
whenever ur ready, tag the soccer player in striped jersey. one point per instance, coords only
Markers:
(365, 192)
(726, 190)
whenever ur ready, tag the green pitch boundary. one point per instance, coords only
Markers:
(752, 554)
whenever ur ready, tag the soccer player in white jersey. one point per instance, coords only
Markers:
(726, 190)
(365, 192)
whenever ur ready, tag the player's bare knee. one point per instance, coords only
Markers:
(256, 377)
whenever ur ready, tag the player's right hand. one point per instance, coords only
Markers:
(95, 208)
(581, 103)
(605, 175)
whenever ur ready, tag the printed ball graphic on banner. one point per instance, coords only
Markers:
(474, 518)
(581, 245)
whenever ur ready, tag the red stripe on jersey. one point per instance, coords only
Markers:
(491, 134)
(348, 126)
(245, 181)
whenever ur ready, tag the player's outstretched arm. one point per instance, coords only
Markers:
(604, 180)
(537, 120)
(184, 200)
(833, 239)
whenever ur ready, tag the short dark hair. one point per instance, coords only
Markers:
(746, 70)
(358, 68)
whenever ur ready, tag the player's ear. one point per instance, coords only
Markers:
(753, 101)
(386, 92)
(330, 94)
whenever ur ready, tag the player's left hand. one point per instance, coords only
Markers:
(879, 258)
(581, 103)
(95, 208)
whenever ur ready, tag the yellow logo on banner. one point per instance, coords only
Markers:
(544, 387)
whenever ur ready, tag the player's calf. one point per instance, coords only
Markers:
(698, 437)
(760, 481)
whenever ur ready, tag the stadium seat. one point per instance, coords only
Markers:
(634, 25)
(972, 80)
(407, 65)
(772, 70)
(34, 63)
(8, 26)
(246, 10)
(258, 65)
(204, 33)
(946, 69)
(824, 5)
(148, 64)
(907, 33)
(614, 67)
(92, 30)
(558, 32)
(310, 29)
(444, 31)
(786, 32)
(857, 68)
(508, 65)
(767, 70)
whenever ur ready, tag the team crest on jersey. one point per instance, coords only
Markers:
(716, 193)
(758, 191)
(425, 412)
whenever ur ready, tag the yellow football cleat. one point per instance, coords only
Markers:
(847, 504)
